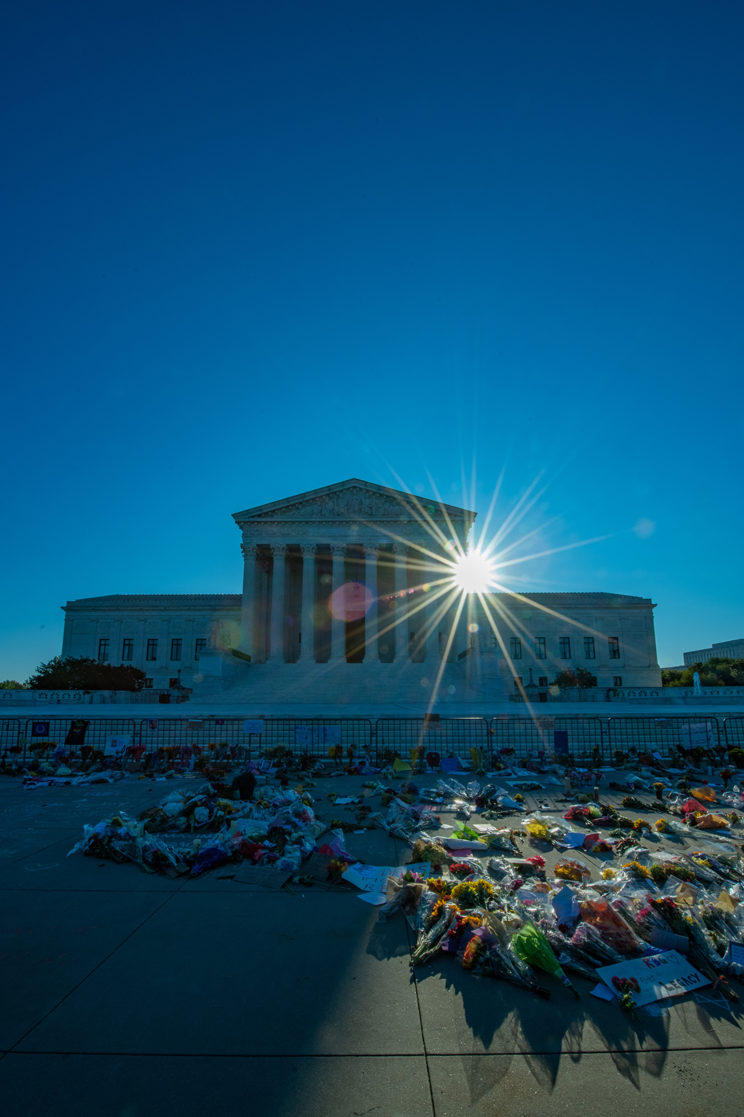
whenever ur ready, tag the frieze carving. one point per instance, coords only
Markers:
(354, 503)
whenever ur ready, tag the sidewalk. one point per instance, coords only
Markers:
(134, 995)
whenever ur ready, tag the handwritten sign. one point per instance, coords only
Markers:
(668, 974)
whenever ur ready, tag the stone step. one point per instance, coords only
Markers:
(336, 683)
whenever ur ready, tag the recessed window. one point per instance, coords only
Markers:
(564, 647)
(176, 646)
(199, 645)
(515, 647)
(617, 680)
(614, 646)
(152, 649)
(127, 651)
(540, 650)
(148, 684)
(103, 650)
(543, 680)
(517, 682)
(172, 683)
(589, 647)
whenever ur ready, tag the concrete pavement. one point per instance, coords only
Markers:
(130, 994)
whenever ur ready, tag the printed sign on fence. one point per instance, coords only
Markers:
(696, 735)
(117, 743)
(253, 726)
(307, 735)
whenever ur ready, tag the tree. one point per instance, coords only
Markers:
(718, 671)
(85, 674)
(11, 684)
(575, 677)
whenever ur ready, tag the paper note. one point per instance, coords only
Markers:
(373, 878)
(602, 992)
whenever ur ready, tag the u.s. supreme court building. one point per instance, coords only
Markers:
(349, 595)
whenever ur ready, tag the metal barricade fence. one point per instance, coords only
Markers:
(663, 734)
(442, 735)
(586, 737)
(10, 734)
(733, 732)
(166, 741)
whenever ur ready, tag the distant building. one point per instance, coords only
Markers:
(726, 649)
(348, 595)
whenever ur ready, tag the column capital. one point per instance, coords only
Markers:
(279, 548)
(337, 548)
(399, 548)
(307, 549)
(249, 550)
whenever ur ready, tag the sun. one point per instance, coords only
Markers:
(474, 572)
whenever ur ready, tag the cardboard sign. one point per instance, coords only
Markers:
(662, 975)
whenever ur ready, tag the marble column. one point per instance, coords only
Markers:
(338, 624)
(368, 578)
(248, 610)
(278, 603)
(400, 631)
(307, 609)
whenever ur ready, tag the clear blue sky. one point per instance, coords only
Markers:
(251, 249)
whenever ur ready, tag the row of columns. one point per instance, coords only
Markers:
(365, 560)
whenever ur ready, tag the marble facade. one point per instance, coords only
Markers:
(340, 596)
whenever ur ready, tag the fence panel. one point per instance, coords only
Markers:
(733, 732)
(664, 735)
(587, 736)
(446, 736)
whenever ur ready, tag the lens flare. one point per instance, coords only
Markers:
(474, 572)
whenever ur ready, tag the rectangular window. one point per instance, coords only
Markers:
(176, 646)
(540, 650)
(617, 680)
(564, 647)
(103, 650)
(127, 651)
(152, 649)
(588, 647)
(517, 682)
(614, 644)
(199, 645)
(515, 647)
(172, 683)
(148, 684)
(543, 680)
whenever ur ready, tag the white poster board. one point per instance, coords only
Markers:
(661, 975)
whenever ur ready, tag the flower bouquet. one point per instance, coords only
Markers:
(503, 840)
(570, 957)
(702, 953)
(462, 869)
(568, 869)
(612, 928)
(429, 940)
(426, 850)
(502, 961)
(632, 803)
(472, 893)
(530, 944)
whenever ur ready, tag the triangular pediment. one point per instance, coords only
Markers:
(355, 501)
